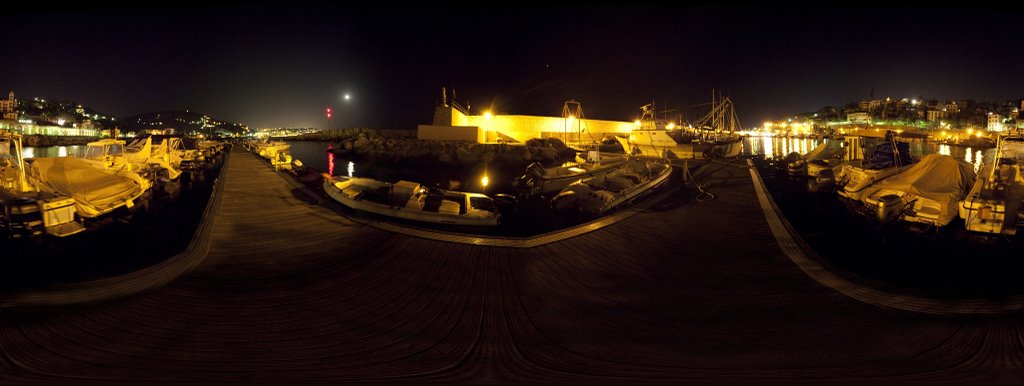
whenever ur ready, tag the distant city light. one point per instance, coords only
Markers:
(484, 181)
(488, 115)
(347, 97)
(671, 125)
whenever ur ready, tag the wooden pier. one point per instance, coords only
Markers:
(282, 289)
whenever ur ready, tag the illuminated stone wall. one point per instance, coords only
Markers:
(520, 128)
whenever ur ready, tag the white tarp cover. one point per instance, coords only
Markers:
(940, 178)
(827, 150)
(94, 191)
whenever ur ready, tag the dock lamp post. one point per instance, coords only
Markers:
(329, 114)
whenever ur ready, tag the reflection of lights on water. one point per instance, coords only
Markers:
(977, 161)
(967, 156)
(330, 163)
(944, 149)
(62, 151)
(351, 168)
(769, 152)
(28, 152)
(803, 147)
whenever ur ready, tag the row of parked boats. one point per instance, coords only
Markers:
(52, 195)
(934, 190)
(592, 186)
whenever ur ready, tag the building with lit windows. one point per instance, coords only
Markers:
(859, 117)
(8, 107)
(995, 122)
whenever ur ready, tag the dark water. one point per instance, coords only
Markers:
(947, 262)
(118, 243)
(467, 179)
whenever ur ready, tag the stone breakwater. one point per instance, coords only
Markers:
(369, 144)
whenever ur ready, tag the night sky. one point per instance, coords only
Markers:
(276, 64)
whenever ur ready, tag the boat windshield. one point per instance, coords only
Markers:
(482, 203)
(94, 152)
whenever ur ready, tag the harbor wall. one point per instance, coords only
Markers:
(449, 122)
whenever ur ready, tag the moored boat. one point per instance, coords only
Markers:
(540, 180)
(24, 209)
(994, 202)
(888, 158)
(412, 201)
(928, 192)
(609, 191)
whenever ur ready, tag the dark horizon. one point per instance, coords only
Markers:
(270, 65)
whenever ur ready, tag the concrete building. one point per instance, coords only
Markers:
(995, 122)
(859, 117)
(935, 115)
(453, 123)
(8, 107)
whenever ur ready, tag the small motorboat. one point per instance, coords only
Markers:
(928, 192)
(994, 203)
(412, 201)
(604, 193)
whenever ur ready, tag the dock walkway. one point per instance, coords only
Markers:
(681, 290)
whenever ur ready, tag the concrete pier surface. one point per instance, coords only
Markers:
(678, 290)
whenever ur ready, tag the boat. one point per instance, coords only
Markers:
(888, 158)
(26, 210)
(175, 154)
(821, 162)
(412, 201)
(601, 194)
(112, 156)
(95, 191)
(928, 192)
(994, 203)
(276, 152)
(540, 180)
(713, 136)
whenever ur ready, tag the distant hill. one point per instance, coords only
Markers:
(183, 122)
(64, 113)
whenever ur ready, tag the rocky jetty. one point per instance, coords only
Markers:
(370, 144)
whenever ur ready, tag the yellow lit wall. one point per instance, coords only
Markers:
(450, 133)
(524, 127)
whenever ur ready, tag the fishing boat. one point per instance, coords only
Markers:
(714, 135)
(928, 192)
(412, 201)
(24, 209)
(601, 194)
(888, 158)
(994, 202)
(540, 180)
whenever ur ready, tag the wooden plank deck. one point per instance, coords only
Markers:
(680, 291)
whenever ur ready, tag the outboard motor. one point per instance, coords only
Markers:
(826, 177)
(890, 207)
(797, 168)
